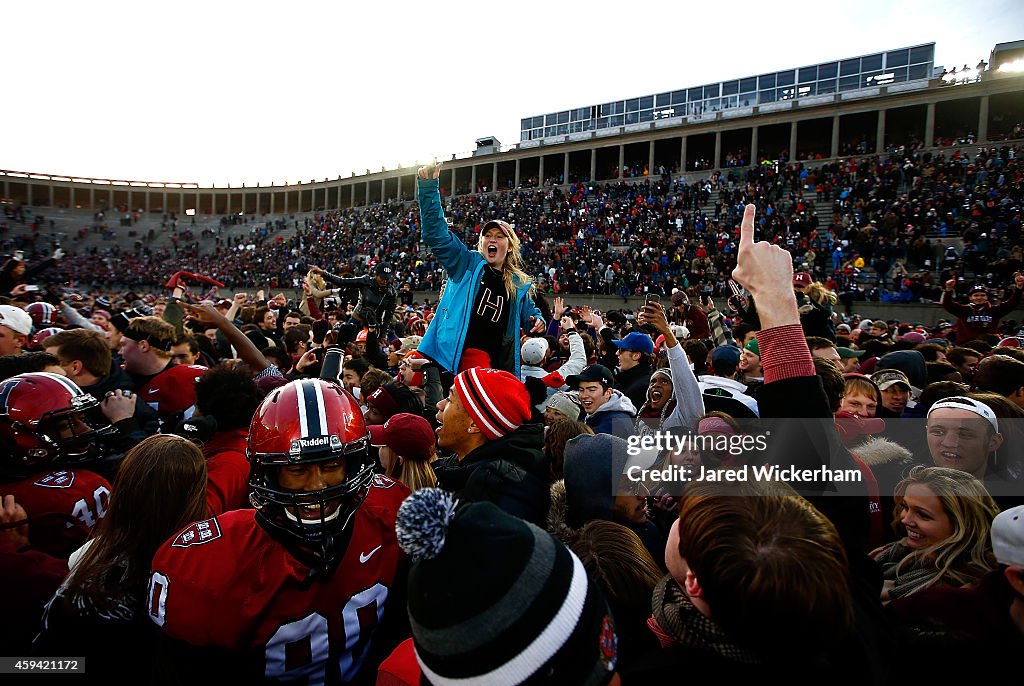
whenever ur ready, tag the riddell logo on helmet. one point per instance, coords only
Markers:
(300, 444)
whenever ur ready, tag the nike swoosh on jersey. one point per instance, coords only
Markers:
(363, 557)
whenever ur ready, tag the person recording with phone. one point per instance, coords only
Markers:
(488, 297)
(16, 275)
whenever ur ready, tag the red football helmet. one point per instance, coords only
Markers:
(309, 421)
(1013, 341)
(48, 418)
(41, 335)
(43, 314)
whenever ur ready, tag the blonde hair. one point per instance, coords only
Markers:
(820, 294)
(967, 554)
(416, 474)
(514, 267)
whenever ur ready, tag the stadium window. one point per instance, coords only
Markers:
(871, 63)
(588, 125)
(562, 129)
(808, 74)
(678, 97)
(787, 93)
(748, 85)
(899, 75)
(563, 117)
(632, 105)
(663, 99)
(607, 109)
(646, 115)
(848, 83)
(647, 102)
(538, 122)
(713, 90)
(620, 107)
(632, 117)
(602, 122)
(695, 94)
(551, 119)
(785, 78)
(711, 104)
(526, 124)
(549, 131)
(826, 87)
(766, 96)
(729, 101)
(524, 136)
(829, 70)
(730, 87)
(897, 58)
(849, 68)
(922, 53)
(615, 121)
(918, 71)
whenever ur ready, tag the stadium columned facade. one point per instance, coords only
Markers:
(867, 114)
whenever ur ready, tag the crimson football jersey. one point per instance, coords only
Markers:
(225, 582)
(63, 506)
(172, 392)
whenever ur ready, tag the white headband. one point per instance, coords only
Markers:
(960, 402)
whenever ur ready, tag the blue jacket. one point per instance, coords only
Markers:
(446, 335)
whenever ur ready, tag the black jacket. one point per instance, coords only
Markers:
(376, 304)
(511, 472)
(634, 382)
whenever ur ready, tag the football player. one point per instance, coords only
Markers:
(48, 436)
(166, 387)
(295, 588)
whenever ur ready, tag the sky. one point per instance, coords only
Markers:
(224, 92)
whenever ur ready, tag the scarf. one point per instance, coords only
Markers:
(910, 578)
(675, 620)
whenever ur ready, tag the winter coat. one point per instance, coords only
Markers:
(511, 472)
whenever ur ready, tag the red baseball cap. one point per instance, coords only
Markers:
(802, 279)
(409, 435)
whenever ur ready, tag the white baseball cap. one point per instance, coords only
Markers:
(16, 319)
(1008, 536)
(960, 402)
(533, 351)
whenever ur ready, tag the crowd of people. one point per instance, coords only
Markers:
(871, 228)
(348, 486)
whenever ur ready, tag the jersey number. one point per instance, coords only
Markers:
(301, 648)
(84, 513)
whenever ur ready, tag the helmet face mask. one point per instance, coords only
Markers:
(306, 423)
(45, 418)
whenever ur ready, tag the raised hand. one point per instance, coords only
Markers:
(559, 307)
(762, 268)
(204, 312)
(430, 171)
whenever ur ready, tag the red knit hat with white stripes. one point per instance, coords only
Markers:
(496, 401)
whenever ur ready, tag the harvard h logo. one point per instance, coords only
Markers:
(491, 303)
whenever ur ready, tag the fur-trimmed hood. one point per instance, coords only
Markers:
(558, 525)
(880, 452)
